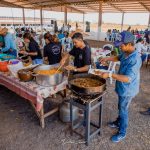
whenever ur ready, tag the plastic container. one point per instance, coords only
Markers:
(3, 66)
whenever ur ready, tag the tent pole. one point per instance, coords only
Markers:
(83, 21)
(23, 15)
(41, 20)
(122, 21)
(100, 20)
(149, 21)
(65, 16)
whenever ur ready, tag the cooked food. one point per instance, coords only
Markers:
(97, 72)
(48, 72)
(69, 67)
(86, 82)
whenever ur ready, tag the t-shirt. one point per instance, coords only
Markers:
(67, 43)
(140, 47)
(34, 47)
(53, 52)
(82, 57)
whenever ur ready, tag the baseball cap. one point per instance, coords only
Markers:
(124, 38)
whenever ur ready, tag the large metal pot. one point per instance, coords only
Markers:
(48, 80)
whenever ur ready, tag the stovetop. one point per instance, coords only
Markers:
(86, 98)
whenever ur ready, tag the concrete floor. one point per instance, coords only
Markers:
(20, 130)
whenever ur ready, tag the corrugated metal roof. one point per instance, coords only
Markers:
(81, 6)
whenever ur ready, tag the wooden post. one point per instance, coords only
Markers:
(41, 20)
(65, 16)
(122, 21)
(100, 19)
(23, 15)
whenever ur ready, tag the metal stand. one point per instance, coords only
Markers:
(86, 122)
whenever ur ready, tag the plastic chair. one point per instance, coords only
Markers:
(111, 68)
(109, 46)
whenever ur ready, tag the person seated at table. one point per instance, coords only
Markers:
(34, 50)
(10, 45)
(82, 55)
(52, 49)
(141, 49)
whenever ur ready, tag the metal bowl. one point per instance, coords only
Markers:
(25, 76)
(48, 80)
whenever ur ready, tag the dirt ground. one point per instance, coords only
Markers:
(20, 130)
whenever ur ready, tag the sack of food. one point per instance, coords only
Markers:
(13, 68)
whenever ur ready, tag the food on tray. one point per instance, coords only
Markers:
(86, 82)
(48, 72)
(69, 67)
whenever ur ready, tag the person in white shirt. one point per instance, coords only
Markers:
(141, 49)
(66, 42)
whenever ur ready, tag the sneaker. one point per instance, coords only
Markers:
(146, 113)
(113, 124)
(117, 137)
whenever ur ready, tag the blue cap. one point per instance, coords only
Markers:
(124, 38)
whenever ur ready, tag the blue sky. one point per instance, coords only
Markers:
(130, 18)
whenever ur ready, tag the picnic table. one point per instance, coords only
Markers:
(33, 92)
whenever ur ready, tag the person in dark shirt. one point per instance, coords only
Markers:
(82, 55)
(52, 49)
(34, 50)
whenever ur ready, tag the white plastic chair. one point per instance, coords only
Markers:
(111, 68)
(108, 45)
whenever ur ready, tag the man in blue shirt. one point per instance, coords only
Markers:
(10, 45)
(127, 81)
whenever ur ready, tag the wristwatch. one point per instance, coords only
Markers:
(75, 70)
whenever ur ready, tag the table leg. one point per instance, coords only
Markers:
(42, 122)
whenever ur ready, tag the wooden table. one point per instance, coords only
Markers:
(34, 93)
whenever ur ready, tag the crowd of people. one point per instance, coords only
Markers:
(58, 47)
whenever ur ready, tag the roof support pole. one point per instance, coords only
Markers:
(100, 20)
(23, 16)
(149, 22)
(41, 19)
(65, 16)
(83, 21)
(122, 21)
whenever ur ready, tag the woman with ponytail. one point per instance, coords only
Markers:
(34, 50)
(52, 49)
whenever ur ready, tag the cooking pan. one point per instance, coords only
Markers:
(87, 90)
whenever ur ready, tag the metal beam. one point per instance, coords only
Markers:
(144, 6)
(41, 19)
(83, 21)
(112, 5)
(99, 20)
(23, 16)
(149, 21)
(65, 16)
(122, 22)
(10, 4)
(92, 7)
(75, 9)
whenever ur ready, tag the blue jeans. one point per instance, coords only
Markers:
(37, 61)
(143, 57)
(123, 105)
